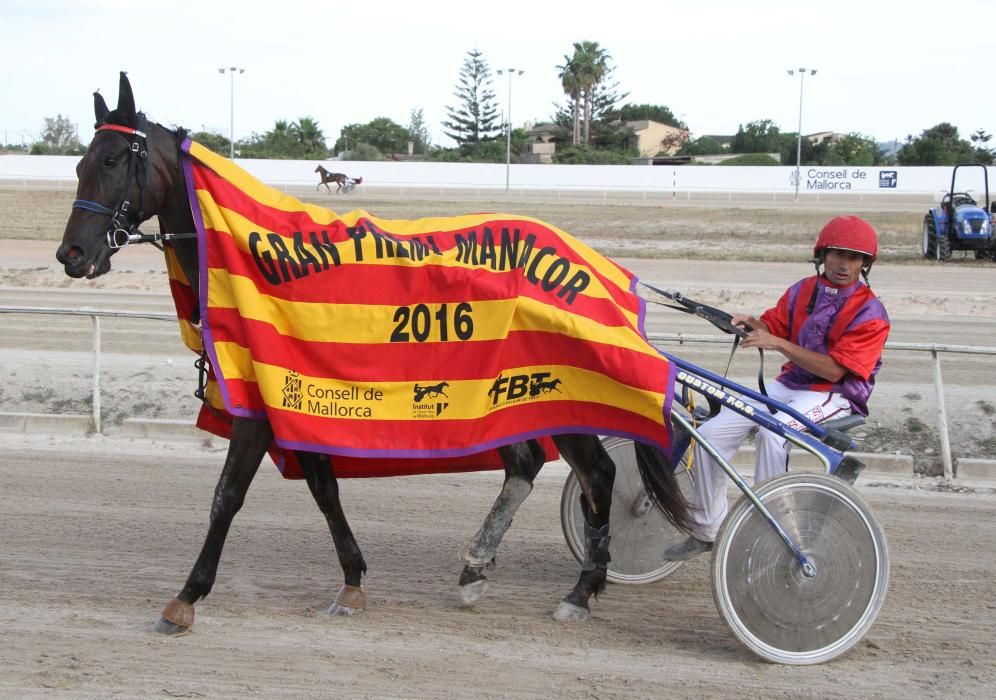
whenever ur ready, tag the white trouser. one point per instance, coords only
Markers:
(728, 429)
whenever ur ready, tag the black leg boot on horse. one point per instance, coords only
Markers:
(596, 473)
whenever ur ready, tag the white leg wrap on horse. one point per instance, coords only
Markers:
(484, 546)
(472, 592)
(568, 612)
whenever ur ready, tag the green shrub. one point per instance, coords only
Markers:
(751, 159)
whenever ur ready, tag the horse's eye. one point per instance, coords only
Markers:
(110, 161)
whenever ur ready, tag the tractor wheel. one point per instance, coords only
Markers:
(943, 248)
(929, 237)
(984, 254)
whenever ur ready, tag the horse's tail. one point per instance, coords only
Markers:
(658, 477)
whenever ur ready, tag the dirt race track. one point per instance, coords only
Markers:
(99, 534)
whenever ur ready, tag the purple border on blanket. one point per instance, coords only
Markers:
(202, 274)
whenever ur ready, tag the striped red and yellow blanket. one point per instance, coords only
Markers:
(410, 345)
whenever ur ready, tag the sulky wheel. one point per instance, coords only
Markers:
(760, 590)
(640, 533)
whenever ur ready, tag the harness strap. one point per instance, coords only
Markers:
(95, 207)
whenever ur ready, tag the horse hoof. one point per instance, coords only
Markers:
(470, 593)
(176, 618)
(569, 612)
(348, 601)
(169, 629)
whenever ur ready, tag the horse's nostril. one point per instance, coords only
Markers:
(69, 254)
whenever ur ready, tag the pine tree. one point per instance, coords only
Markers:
(418, 133)
(476, 118)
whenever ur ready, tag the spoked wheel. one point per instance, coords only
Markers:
(640, 532)
(760, 590)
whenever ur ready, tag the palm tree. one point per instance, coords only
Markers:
(591, 65)
(571, 82)
(309, 135)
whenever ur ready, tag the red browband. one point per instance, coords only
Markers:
(123, 129)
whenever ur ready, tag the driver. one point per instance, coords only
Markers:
(832, 330)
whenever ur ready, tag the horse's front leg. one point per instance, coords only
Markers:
(319, 473)
(248, 444)
(596, 472)
(522, 460)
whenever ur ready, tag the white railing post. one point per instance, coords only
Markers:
(96, 373)
(681, 338)
(942, 418)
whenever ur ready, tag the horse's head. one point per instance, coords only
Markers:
(319, 169)
(123, 179)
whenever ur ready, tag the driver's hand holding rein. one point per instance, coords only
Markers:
(832, 329)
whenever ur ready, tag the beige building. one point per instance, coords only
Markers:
(539, 145)
(650, 137)
(828, 137)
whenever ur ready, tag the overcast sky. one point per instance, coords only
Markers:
(886, 68)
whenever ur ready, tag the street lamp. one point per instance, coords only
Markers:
(508, 127)
(231, 124)
(798, 145)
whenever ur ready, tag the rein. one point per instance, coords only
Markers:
(717, 317)
(120, 233)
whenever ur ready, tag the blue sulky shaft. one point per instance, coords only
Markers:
(808, 568)
(710, 384)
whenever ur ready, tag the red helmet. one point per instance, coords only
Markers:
(848, 233)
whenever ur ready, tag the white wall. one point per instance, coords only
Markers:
(666, 179)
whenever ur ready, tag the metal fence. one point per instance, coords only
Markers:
(600, 193)
(934, 349)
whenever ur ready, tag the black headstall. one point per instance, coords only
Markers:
(125, 218)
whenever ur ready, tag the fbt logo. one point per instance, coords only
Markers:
(518, 386)
(888, 178)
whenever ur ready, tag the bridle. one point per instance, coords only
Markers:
(120, 232)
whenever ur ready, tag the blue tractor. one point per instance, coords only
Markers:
(960, 223)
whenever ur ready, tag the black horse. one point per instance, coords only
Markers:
(131, 172)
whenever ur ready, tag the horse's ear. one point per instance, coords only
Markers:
(126, 101)
(100, 110)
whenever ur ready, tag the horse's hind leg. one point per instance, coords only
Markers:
(324, 487)
(250, 438)
(596, 473)
(523, 460)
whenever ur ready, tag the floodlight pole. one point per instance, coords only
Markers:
(231, 114)
(798, 145)
(508, 125)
